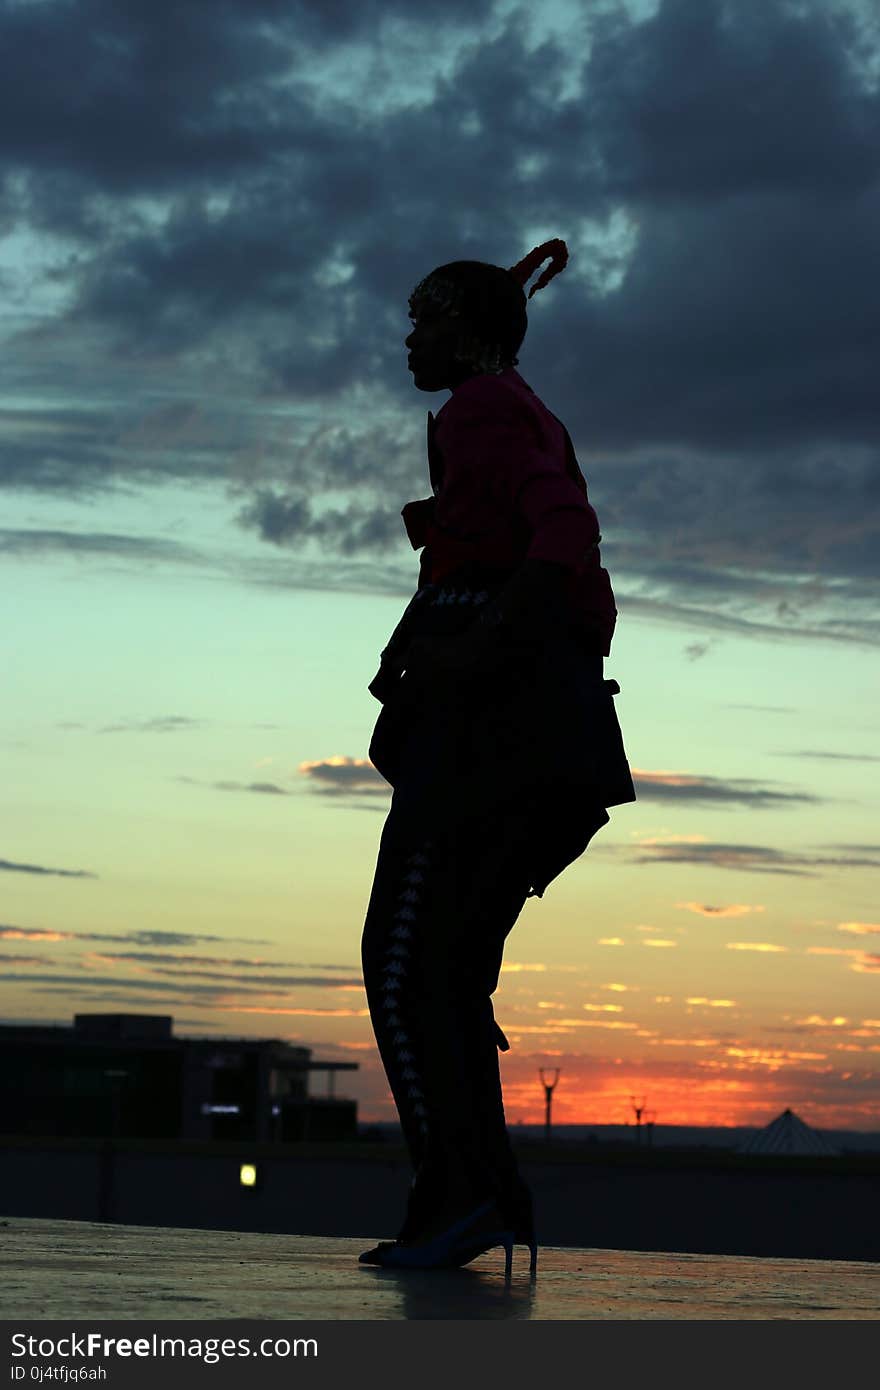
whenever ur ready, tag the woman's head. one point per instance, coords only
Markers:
(470, 317)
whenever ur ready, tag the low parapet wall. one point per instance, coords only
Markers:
(698, 1202)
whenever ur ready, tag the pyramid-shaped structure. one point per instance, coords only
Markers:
(788, 1134)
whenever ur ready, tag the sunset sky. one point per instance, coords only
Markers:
(213, 214)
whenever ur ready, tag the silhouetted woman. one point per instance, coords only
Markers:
(500, 739)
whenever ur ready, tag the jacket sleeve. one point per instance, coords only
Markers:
(498, 435)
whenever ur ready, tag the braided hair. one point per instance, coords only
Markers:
(492, 302)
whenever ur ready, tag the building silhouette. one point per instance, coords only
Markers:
(127, 1076)
(788, 1135)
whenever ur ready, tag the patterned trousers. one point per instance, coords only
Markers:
(442, 903)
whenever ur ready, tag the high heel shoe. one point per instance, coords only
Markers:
(518, 1213)
(375, 1256)
(419, 1207)
(465, 1254)
(522, 1234)
(446, 1249)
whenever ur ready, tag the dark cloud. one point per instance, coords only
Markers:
(227, 216)
(749, 858)
(337, 776)
(827, 753)
(139, 548)
(261, 788)
(354, 530)
(352, 778)
(159, 93)
(143, 936)
(743, 791)
(186, 988)
(152, 957)
(82, 980)
(694, 650)
(155, 937)
(8, 866)
(220, 967)
(161, 724)
(189, 971)
(764, 99)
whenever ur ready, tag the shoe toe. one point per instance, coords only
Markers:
(375, 1256)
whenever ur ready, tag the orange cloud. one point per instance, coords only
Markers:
(859, 928)
(832, 951)
(863, 962)
(712, 1003)
(33, 934)
(754, 946)
(774, 1058)
(866, 963)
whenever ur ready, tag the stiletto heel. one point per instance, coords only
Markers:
(518, 1213)
(518, 1219)
(468, 1251)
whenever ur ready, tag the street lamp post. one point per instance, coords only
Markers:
(638, 1105)
(548, 1097)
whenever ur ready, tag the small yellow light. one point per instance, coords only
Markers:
(248, 1175)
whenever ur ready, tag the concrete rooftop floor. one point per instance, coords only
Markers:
(78, 1270)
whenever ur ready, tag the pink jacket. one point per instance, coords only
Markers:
(508, 487)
